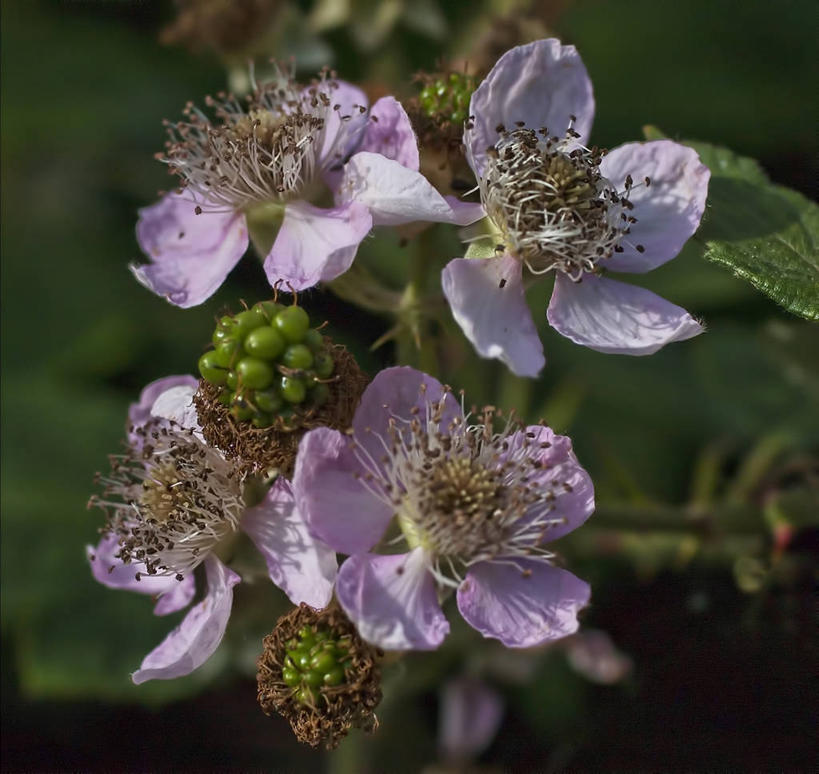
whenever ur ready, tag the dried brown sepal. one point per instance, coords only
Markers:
(225, 26)
(258, 450)
(338, 708)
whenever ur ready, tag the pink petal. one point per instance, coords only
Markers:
(523, 605)
(469, 717)
(332, 499)
(389, 132)
(393, 193)
(301, 566)
(179, 597)
(487, 301)
(593, 654)
(558, 472)
(316, 245)
(610, 316)
(194, 641)
(399, 393)
(190, 254)
(542, 84)
(343, 127)
(668, 211)
(176, 404)
(392, 600)
(108, 569)
(465, 213)
(140, 412)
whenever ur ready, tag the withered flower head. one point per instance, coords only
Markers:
(319, 674)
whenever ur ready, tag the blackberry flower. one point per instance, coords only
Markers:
(305, 172)
(174, 503)
(559, 207)
(472, 507)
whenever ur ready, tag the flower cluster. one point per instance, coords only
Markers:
(281, 448)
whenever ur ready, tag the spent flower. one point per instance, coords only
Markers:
(317, 672)
(305, 172)
(556, 206)
(473, 507)
(174, 503)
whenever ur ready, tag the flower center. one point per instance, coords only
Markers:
(459, 508)
(267, 150)
(463, 492)
(170, 500)
(164, 493)
(550, 201)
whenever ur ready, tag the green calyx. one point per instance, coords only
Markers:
(315, 659)
(446, 97)
(269, 363)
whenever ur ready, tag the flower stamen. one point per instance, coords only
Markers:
(555, 209)
(170, 500)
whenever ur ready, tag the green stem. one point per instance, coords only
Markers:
(736, 519)
(415, 344)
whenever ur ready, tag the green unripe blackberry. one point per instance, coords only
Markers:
(264, 342)
(228, 352)
(268, 308)
(297, 356)
(446, 98)
(292, 322)
(240, 411)
(271, 363)
(268, 400)
(338, 691)
(323, 365)
(247, 321)
(313, 340)
(255, 373)
(210, 369)
(314, 659)
(293, 389)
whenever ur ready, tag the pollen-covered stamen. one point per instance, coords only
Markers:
(464, 492)
(170, 500)
(265, 150)
(551, 202)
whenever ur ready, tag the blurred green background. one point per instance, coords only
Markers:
(702, 555)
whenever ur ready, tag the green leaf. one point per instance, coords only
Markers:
(784, 262)
(763, 233)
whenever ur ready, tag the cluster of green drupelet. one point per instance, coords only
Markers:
(314, 660)
(269, 363)
(448, 97)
